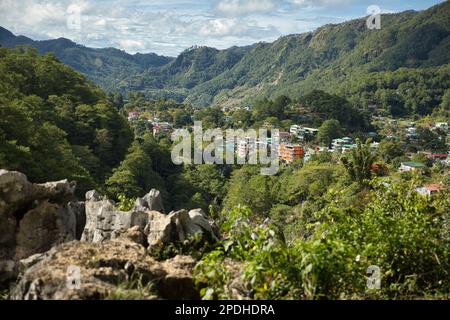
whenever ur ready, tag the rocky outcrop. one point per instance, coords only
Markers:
(34, 217)
(177, 226)
(143, 224)
(151, 201)
(41, 223)
(111, 269)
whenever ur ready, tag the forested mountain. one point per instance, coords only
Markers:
(332, 56)
(107, 66)
(411, 46)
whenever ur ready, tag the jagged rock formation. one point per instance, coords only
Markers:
(39, 226)
(143, 224)
(151, 201)
(101, 267)
(34, 218)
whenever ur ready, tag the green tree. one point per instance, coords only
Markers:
(135, 176)
(359, 163)
(432, 141)
(181, 118)
(388, 150)
(329, 130)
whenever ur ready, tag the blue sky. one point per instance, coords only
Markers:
(170, 26)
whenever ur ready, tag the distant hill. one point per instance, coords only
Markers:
(104, 66)
(330, 58)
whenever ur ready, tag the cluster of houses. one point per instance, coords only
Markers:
(158, 126)
(287, 152)
(342, 144)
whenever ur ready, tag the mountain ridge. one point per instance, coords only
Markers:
(98, 64)
(291, 65)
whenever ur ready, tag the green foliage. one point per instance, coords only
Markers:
(54, 124)
(434, 142)
(324, 106)
(137, 287)
(248, 187)
(125, 203)
(359, 163)
(255, 244)
(401, 232)
(388, 150)
(211, 118)
(135, 175)
(329, 130)
(208, 182)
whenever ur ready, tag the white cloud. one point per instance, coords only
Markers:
(131, 45)
(234, 27)
(244, 7)
(169, 26)
(319, 3)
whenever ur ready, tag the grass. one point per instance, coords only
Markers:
(4, 294)
(133, 289)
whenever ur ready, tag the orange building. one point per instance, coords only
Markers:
(290, 153)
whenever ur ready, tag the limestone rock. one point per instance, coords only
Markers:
(100, 268)
(151, 201)
(134, 234)
(33, 217)
(105, 222)
(42, 227)
(177, 226)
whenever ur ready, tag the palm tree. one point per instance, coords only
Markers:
(359, 163)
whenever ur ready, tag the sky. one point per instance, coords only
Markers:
(168, 27)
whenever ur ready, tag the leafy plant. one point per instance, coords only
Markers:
(125, 203)
(135, 288)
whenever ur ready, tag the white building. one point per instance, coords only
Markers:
(338, 145)
(301, 132)
(442, 125)
(411, 166)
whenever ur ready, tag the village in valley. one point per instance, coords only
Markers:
(299, 143)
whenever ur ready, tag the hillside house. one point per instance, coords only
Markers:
(289, 152)
(430, 189)
(442, 126)
(133, 115)
(438, 157)
(161, 127)
(412, 166)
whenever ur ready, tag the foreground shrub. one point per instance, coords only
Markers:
(400, 232)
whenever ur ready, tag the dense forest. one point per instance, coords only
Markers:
(345, 58)
(54, 124)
